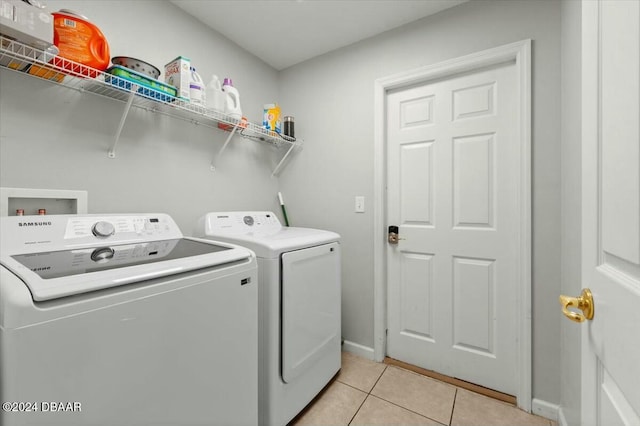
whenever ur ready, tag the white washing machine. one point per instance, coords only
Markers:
(299, 306)
(120, 320)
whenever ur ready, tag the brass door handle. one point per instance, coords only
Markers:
(583, 303)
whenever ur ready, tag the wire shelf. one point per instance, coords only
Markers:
(41, 64)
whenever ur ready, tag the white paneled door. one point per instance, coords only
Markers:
(453, 182)
(611, 212)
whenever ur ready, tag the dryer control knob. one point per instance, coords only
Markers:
(103, 229)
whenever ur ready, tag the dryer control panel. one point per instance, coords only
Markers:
(239, 223)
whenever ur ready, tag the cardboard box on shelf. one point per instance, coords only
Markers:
(177, 74)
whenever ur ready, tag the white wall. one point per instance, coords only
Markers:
(570, 204)
(332, 99)
(56, 138)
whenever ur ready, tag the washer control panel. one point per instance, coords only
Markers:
(118, 226)
(238, 223)
(25, 234)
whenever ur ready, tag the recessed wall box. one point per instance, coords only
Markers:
(31, 200)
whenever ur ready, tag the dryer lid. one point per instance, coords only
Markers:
(260, 232)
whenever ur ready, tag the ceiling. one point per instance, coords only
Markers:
(285, 32)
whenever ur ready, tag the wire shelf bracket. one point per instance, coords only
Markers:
(125, 113)
(278, 168)
(224, 146)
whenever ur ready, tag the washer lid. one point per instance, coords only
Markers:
(260, 232)
(51, 275)
(55, 274)
(63, 255)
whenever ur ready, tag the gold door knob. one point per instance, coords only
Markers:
(583, 303)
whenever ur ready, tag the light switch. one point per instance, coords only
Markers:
(359, 204)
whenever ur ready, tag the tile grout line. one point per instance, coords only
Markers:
(379, 377)
(393, 403)
(453, 407)
(368, 394)
(408, 409)
(358, 410)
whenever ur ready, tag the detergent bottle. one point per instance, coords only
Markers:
(196, 88)
(232, 101)
(79, 41)
(216, 98)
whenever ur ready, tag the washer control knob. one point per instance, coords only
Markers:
(103, 229)
(248, 220)
(102, 255)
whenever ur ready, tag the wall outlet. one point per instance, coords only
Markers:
(359, 204)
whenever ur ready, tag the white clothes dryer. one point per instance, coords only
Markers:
(120, 320)
(299, 295)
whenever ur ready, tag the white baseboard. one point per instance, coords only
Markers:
(562, 420)
(545, 409)
(357, 349)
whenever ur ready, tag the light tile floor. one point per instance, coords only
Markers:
(371, 393)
